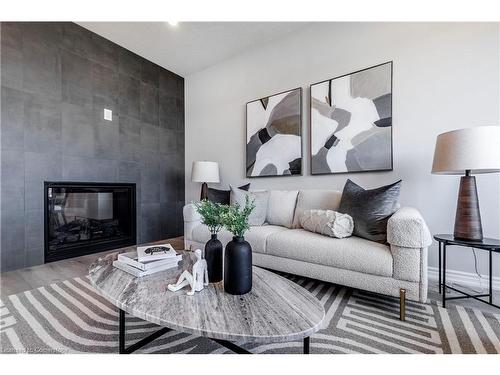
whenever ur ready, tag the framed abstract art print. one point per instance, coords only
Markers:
(351, 122)
(274, 135)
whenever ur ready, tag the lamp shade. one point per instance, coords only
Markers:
(205, 171)
(473, 149)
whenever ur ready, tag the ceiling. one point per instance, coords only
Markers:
(190, 46)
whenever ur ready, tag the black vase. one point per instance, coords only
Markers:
(238, 266)
(213, 256)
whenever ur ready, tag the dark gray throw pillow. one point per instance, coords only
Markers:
(370, 209)
(223, 196)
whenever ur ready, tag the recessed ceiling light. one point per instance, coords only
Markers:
(173, 23)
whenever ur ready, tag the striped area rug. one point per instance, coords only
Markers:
(71, 317)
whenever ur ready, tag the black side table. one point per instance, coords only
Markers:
(489, 244)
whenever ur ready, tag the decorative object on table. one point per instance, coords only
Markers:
(274, 135)
(223, 196)
(205, 171)
(197, 279)
(466, 152)
(155, 252)
(130, 263)
(327, 222)
(131, 259)
(238, 254)
(370, 209)
(260, 201)
(211, 215)
(351, 122)
(487, 244)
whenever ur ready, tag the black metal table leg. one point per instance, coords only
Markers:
(439, 267)
(490, 298)
(487, 244)
(121, 334)
(307, 345)
(139, 344)
(232, 346)
(444, 276)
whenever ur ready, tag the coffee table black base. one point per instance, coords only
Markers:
(139, 344)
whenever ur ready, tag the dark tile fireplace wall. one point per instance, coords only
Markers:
(56, 80)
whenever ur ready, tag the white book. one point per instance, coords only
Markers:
(155, 252)
(138, 273)
(131, 259)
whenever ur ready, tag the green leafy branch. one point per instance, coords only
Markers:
(211, 214)
(235, 218)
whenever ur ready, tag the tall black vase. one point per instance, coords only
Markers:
(238, 266)
(213, 256)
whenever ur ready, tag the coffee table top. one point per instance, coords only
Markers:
(276, 310)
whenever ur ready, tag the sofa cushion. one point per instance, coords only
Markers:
(328, 223)
(315, 200)
(256, 236)
(260, 200)
(281, 207)
(370, 209)
(222, 196)
(353, 253)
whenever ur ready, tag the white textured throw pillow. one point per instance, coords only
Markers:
(260, 198)
(281, 207)
(315, 200)
(327, 222)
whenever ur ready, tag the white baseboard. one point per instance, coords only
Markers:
(464, 278)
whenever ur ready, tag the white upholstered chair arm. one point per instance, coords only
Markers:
(191, 219)
(407, 228)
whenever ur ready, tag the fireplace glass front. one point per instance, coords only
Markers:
(85, 218)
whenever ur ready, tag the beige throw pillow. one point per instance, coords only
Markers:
(281, 207)
(327, 222)
(315, 200)
(260, 198)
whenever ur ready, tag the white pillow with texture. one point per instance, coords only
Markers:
(315, 200)
(327, 222)
(281, 207)
(260, 198)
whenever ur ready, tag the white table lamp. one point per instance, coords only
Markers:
(205, 171)
(465, 152)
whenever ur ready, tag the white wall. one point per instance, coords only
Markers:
(446, 76)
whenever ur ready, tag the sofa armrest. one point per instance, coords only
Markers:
(409, 238)
(407, 228)
(191, 220)
(190, 213)
(410, 264)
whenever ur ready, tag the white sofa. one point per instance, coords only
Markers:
(353, 261)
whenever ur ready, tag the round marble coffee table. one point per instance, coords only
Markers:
(276, 310)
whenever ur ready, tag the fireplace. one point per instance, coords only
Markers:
(84, 218)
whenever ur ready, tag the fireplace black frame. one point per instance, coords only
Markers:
(79, 250)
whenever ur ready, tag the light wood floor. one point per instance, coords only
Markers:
(33, 277)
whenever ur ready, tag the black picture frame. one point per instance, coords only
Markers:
(392, 123)
(300, 134)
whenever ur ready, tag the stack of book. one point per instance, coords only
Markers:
(148, 260)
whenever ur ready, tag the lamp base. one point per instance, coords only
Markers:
(204, 191)
(468, 218)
